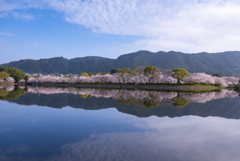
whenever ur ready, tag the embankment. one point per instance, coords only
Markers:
(5, 84)
(141, 87)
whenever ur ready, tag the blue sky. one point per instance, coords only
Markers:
(108, 28)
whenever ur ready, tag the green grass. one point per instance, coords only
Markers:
(169, 84)
(198, 91)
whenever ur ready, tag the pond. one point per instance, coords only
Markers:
(68, 124)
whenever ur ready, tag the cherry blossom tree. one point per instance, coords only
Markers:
(126, 77)
(123, 74)
(10, 79)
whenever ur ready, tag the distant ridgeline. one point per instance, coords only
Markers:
(226, 63)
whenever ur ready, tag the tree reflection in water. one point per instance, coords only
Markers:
(85, 96)
(180, 101)
(223, 103)
(149, 99)
(12, 93)
(145, 98)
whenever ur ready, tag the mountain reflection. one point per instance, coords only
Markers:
(140, 103)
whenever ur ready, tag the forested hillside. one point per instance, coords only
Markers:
(226, 63)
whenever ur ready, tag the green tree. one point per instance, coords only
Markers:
(151, 102)
(123, 98)
(216, 75)
(91, 74)
(124, 101)
(135, 72)
(13, 72)
(123, 74)
(180, 73)
(3, 93)
(135, 101)
(4, 75)
(15, 94)
(102, 73)
(85, 96)
(180, 101)
(26, 78)
(152, 72)
(114, 71)
(84, 74)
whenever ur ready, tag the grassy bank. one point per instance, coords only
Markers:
(156, 87)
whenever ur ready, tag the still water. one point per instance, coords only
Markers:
(69, 124)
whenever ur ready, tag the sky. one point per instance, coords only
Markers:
(35, 29)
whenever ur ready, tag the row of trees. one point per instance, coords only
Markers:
(12, 74)
(150, 74)
(129, 78)
(153, 74)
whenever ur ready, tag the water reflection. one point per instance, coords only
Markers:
(12, 92)
(159, 103)
(180, 101)
(150, 98)
(35, 133)
(177, 139)
(108, 135)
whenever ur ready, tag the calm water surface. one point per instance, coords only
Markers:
(59, 124)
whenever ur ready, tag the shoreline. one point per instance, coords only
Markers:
(7, 84)
(132, 86)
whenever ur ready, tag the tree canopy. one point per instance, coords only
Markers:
(13, 72)
(135, 72)
(152, 72)
(85, 96)
(4, 75)
(180, 73)
(84, 74)
(151, 102)
(26, 78)
(180, 101)
(124, 73)
(91, 74)
(114, 71)
(16, 93)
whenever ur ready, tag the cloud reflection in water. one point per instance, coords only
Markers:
(188, 138)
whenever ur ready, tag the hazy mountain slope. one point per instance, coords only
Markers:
(226, 63)
(89, 64)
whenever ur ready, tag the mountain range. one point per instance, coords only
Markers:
(224, 63)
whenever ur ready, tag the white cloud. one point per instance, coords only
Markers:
(188, 26)
(17, 15)
(3, 15)
(11, 5)
(8, 8)
(184, 138)
(24, 16)
(6, 34)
